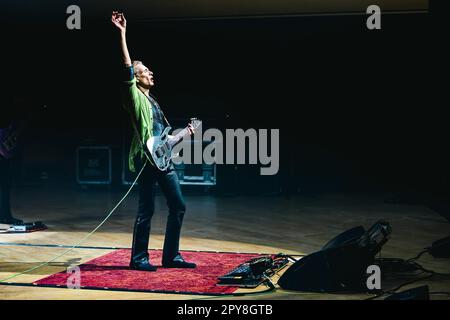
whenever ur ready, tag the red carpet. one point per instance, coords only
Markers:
(111, 271)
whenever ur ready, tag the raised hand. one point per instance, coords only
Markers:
(118, 19)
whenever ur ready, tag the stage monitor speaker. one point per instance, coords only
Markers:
(345, 238)
(341, 265)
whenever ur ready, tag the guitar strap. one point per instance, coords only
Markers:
(153, 100)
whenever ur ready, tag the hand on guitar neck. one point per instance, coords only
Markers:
(189, 130)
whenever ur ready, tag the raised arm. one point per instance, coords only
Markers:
(118, 19)
(129, 90)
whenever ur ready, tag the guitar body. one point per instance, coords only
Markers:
(160, 147)
(8, 142)
(160, 150)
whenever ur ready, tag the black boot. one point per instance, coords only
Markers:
(142, 265)
(178, 262)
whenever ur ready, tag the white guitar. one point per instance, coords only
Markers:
(160, 147)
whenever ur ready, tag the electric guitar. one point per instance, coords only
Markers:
(160, 147)
(9, 136)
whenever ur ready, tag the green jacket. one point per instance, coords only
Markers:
(140, 109)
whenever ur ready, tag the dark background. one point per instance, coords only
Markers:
(357, 110)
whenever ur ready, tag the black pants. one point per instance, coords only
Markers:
(170, 186)
(5, 188)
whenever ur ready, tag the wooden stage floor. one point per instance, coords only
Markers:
(271, 224)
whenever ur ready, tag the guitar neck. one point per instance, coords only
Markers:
(180, 135)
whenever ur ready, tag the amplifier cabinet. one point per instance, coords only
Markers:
(94, 165)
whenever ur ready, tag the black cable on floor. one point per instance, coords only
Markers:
(392, 291)
(419, 255)
(414, 266)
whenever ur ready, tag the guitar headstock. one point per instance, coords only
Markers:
(195, 123)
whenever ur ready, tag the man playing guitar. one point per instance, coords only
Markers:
(148, 120)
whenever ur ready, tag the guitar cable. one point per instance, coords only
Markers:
(85, 237)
